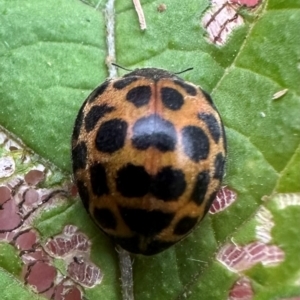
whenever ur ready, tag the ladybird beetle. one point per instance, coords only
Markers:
(148, 152)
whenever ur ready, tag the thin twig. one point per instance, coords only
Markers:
(126, 274)
(140, 13)
(110, 38)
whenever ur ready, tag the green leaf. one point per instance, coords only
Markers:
(12, 289)
(9, 259)
(49, 65)
(53, 54)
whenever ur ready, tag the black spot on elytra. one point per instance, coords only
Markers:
(96, 112)
(212, 125)
(185, 225)
(98, 179)
(123, 82)
(191, 90)
(200, 187)
(219, 166)
(139, 95)
(78, 123)
(144, 222)
(133, 181)
(195, 143)
(169, 184)
(171, 98)
(98, 91)
(79, 155)
(111, 135)
(105, 218)
(154, 131)
(83, 193)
